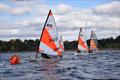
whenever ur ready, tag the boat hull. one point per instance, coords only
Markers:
(87, 53)
(41, 58)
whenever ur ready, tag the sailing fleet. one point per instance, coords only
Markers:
(51, 43)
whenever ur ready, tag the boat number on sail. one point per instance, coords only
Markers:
(49, 26)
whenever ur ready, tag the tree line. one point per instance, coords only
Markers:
(15, 45)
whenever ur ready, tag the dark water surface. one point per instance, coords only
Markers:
(102, 66)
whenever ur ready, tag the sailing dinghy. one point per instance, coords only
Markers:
(49, 40)
(82, 45)
(93, 43)
(61, 44)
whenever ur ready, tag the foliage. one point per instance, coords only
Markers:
(32, 45)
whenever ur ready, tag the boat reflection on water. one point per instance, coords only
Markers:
(47, 67)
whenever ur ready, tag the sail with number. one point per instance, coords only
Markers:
(61, 44)
(93, 42)
(49, 41)
(82, 45)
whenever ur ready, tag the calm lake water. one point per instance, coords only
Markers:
(102, 66)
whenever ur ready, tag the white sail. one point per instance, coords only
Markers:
(49, 42)
(61, 44)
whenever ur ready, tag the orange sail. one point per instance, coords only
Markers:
(82, 46)
(49, 42)
(93, 42)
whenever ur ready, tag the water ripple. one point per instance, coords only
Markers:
(102, 66)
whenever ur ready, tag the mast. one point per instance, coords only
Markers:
(42, 34)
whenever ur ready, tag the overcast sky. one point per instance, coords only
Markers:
(24, 19)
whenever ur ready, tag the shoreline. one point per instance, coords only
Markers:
(65, 51)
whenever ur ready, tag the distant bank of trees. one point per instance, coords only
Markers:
(109, 43)
(18, 45)
(32, 45)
